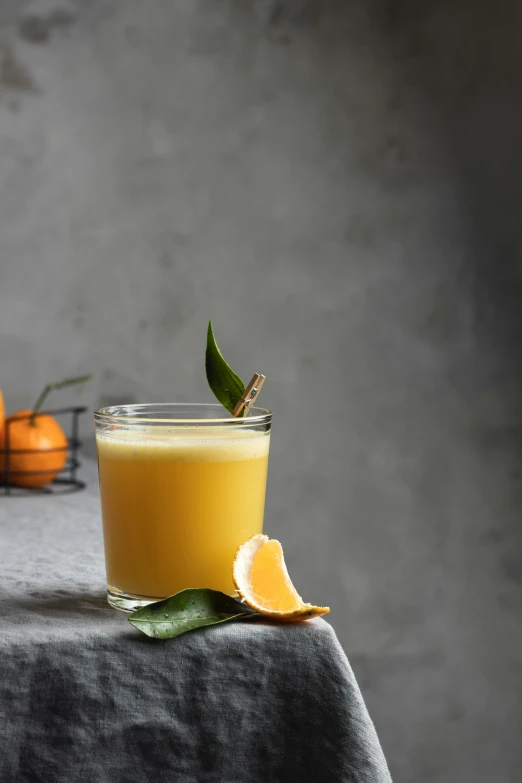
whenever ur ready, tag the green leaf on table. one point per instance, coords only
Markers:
(223, 381)
(187, 610)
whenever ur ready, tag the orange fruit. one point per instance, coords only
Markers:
(37, 449)
(2, 419)
(262, 581)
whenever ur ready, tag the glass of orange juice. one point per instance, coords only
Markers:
(182, 486)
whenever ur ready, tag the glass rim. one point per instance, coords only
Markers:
(114, 414)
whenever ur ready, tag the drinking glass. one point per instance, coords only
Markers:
(182, 486)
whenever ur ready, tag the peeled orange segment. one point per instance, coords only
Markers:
(2, 419)
(262, 581)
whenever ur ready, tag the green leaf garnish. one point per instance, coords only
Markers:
(187, 610)
(223, 381)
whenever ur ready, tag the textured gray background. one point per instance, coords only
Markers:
(338, 185)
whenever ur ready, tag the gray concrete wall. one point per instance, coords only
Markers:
(338, 186)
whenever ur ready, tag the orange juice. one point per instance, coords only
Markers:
(177, 504)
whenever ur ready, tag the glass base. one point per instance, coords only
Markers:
(127, 602)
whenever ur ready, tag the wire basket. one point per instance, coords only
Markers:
(67, 480)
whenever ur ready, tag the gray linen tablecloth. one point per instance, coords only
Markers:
(85, 697)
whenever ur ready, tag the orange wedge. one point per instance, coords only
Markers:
(262, 581)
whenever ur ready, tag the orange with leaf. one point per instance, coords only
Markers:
(2, 419)
(35, 442)
(262, 580)
(264, 587)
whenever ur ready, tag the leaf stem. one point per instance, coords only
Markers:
(50, 387)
